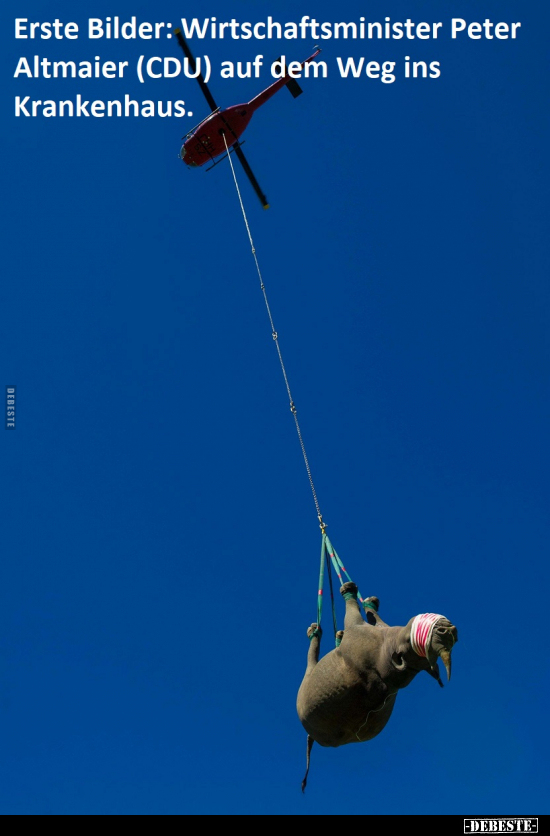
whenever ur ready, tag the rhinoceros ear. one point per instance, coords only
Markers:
(398, 661)
(439, 645)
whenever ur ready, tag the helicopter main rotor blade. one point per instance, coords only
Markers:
(202, 83)
(250, 175)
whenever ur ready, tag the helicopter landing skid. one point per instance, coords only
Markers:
(235, 145)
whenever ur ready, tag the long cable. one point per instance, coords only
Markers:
(275, 336)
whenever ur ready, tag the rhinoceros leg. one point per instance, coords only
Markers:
(353, 614)
(371, 613)
(314, 634)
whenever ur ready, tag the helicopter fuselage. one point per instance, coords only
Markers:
(207, 140)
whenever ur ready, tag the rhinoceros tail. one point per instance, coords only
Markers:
(310, 743)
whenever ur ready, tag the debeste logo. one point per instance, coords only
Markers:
(516, 825)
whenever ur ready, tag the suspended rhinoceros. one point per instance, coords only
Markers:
(348, 695)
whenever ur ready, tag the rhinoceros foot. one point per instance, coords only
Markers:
(349, 586)
(374, 601)
(315, 629)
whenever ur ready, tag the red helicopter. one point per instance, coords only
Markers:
(208, 140)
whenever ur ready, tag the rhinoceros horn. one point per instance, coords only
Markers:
(443, 637)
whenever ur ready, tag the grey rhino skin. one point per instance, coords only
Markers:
(348, 695)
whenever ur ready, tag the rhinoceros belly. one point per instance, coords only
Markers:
(336, 706)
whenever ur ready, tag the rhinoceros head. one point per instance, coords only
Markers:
(433, 636)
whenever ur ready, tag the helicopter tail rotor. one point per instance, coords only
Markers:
(292, 85)
(294, 88)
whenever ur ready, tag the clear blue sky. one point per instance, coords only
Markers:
(160, 545)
